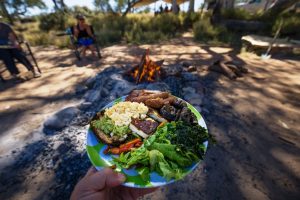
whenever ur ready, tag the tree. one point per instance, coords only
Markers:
(175, 7)
(279, 7)
(5, 12)
(122, 6)
(191, 6)
(103, 5)
(16, 8)
(60, 5)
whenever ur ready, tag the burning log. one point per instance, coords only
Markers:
(146, 70)
(141, 66)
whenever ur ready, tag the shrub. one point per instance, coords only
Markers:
(290, 26)
(53, 21)
(239, 14)
(204, 31)
(190, 19)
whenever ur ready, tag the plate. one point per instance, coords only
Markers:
(95, 150)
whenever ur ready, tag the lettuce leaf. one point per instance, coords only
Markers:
(173, 154)
(162, 167)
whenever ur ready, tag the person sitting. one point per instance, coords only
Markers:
(13, 50)
(84, 35)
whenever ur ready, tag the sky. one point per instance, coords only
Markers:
(89, 4)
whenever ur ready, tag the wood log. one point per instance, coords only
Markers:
(141, 65)
(235, 69)
(220, 67)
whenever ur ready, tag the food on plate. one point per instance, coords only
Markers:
(153, 132)
(112, 125)
(172, 148)
(168, 112)
(144, 127)
(124, 147)
(156, 116)
(152, 99)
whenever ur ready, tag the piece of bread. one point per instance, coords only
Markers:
(114, 141)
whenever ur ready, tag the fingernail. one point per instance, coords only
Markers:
(121, 177)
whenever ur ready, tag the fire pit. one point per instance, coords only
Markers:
(146, 71)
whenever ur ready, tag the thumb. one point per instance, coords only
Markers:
(105, 178)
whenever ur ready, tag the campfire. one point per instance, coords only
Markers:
(147, 70)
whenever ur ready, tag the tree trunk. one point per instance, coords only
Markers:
(6, 13)
(202, 8)
(279, 7)
(191, 6)
(63, 5)
(266, 5)
(55, 5)
(130, 4)
(230, 4)
(174, 7)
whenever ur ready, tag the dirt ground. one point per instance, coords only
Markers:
(255, 119)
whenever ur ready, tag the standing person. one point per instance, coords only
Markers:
(161, 9)
(13, 50)
(166, 9)
(84, 35)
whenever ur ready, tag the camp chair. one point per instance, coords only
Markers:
(26, 49)
(77, 48)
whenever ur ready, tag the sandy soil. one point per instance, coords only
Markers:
(256, 119)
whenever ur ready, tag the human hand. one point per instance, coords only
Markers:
(105, 184)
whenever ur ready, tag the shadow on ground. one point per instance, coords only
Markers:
(255, 121)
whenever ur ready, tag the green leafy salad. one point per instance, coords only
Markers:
(169, 151)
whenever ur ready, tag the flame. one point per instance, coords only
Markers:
(150, 71)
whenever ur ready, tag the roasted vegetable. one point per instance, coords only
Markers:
(168, 112)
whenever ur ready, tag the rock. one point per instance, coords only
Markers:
(174, 84)
(187, 90)
(92, 95)
(84, 105)
(191, 69)
(62, 148)
(158, 86)
(186, 64)
(195, 101)
(190, 96)
(205, 111)
(172, 70)
(104, 92)
(61, 118)
(190, 76)
(121, 88)
(80, 89)
(90, 82)
(194, 84)
(198, 108)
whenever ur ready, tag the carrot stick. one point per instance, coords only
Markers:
(114, 150)
(131, 142)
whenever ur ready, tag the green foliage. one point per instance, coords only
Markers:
(188, 19)
(141, 28)
(20, 7)
(290, 26)
(53, 21)
(204, 31)
(239, 14)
